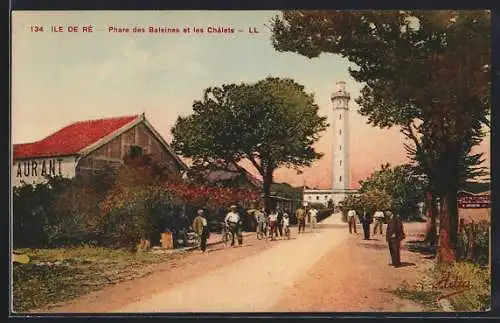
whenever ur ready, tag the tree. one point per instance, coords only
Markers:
(271, 123)
(401, 183)
(287, 191)
(353, 202)
(425, 71)
(375, 199)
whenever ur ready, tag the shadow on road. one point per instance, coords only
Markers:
(333, 226)
(421, 247)
(406, 264)
(372, 246)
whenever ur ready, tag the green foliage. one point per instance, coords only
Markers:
(472, 280)
(427, 72)
(375, 199)
(480, 233)
(287, 191)
(352, 202)
(424, 297)
(369, 201)
(34, 215)
(402, 184)
(272, 123)
(478, 296)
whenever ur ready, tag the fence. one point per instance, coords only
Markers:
(474, 242)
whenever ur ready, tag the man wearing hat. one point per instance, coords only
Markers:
(233, 221)
(200, 226)
(394, 235)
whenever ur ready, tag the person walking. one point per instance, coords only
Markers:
(301, 219)
(394, 235)
(286, 225)
(260, 218)
(366, 220)
(273, 219)
(200, 226)
(279, 223)
(233, 221)
(379, 221)
(351, 220)
(314, 218)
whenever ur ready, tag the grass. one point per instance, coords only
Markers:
(426, 298)
(72, 272)
(476, 295)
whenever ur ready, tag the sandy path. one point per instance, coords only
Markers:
(355, 276)
(232, 289)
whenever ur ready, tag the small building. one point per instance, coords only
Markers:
(88, 147)
(317, 196)
(228, 175)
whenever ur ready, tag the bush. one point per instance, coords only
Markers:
(478, 296)
(123, 228)
(478, 250)
(324, 213)
(33, 212)
(471, 281)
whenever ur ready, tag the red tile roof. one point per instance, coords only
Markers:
(71, 139)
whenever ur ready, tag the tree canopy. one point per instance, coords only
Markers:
(425, 71)
(272, 123)
(402, 184)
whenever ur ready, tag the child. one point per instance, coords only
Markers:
(260, 218)
(286, 225)
(272, 218)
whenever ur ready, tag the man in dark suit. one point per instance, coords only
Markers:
(279, 223)
(366, 220)
(394, 235)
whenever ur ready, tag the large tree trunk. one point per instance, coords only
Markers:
(447, 229)
(267, 181)
(432, 213)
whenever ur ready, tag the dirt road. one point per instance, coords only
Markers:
(253, 284)
(326, 271)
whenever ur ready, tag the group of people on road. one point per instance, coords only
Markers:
(232, 221)
(301, 216)
(394, 231)
(269, 225)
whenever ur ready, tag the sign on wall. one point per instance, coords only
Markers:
(474, 201)
(44, 167)
(35, 171)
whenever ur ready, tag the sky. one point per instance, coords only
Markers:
(62, 77)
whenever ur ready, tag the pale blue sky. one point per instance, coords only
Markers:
(59, 78)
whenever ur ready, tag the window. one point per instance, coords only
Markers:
(317, 197)
(340, 116)
(340, 163)
(340, 131)
(340, 147)
(340, 179)
(326, 197)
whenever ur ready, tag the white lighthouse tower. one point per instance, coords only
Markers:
(340, 177)
(340, 181)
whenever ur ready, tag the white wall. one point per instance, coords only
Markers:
(323, 197)
(31, 171)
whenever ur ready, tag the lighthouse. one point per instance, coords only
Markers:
(339, 189)
(340, 177)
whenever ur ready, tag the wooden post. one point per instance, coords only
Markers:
(471, 243)
(167, 241)
(489, 249)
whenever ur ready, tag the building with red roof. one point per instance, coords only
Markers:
(89, 146)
